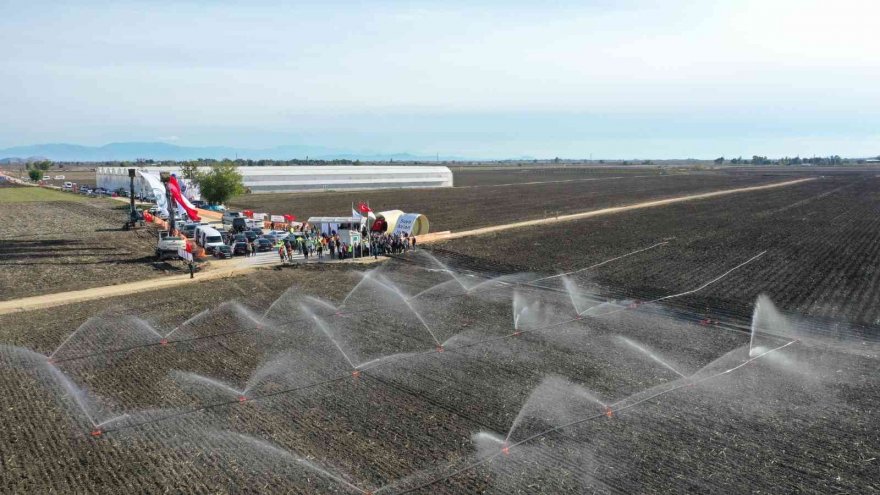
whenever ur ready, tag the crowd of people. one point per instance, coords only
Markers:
(309, 242)
(385, 244)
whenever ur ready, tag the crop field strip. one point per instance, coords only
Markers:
(804, 237)
(68, 245)
(466, 208)
(451, 350)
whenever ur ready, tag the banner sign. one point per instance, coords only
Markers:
(278, 219)
(405, 223)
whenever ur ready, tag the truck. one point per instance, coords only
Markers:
(168, 246)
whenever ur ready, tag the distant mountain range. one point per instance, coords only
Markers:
(164, 151)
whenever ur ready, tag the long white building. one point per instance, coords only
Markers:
(271, 179)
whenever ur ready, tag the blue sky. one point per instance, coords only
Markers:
(486, 79)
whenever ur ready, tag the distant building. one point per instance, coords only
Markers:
(273, 179)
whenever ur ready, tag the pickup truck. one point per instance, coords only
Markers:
(168, 246)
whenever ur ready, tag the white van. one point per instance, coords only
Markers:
(197, 233)
(209, 238)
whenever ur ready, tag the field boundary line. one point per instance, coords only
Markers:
(612, 210)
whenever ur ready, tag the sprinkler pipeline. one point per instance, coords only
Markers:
(439, 348)
(505, 448)
(242, 399)
(97, 432)
(163, 342)
(608, 412)
(356, 373)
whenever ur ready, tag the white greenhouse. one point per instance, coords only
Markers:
(272, 179)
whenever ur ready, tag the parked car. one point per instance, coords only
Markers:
(239, 224)
(251, 236)
(270, 237)
(223, 252)
(239, 238)
(264, 244)
(257, 230)
(198, 203)
(239, 248)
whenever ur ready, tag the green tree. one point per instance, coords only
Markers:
(190, 171)
(35, 174)
(719, 160)
(221, 183)
(43, 165)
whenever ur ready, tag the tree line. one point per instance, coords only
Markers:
(763, 160)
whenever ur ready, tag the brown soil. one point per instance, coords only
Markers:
(58, 246)
(470, 207)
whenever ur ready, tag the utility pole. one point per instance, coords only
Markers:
(165, 177)
(132, 215)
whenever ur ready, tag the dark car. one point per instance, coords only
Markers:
(222, 252)
(239, 248)
(239, 224)
(239, 238)
(257, 230)
(197, 203)
(270, 237)
(251, 236)
(264, 245)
